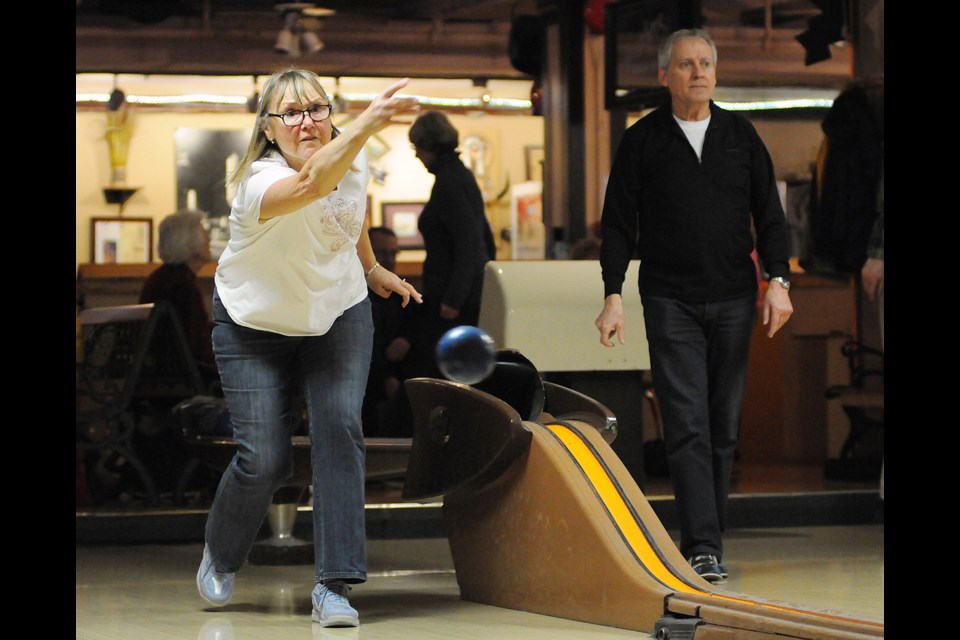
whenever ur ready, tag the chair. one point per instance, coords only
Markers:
(861, 456)
(136, 365)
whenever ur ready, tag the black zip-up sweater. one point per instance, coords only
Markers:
(689, 219)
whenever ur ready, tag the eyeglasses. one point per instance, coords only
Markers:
(294, 117)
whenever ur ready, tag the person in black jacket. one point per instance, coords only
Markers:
(456, 235)
(691, 193)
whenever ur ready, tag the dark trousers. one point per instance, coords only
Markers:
(698, 359)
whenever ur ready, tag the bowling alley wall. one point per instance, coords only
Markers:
(510, 144)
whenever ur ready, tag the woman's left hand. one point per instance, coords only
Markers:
(383, 281)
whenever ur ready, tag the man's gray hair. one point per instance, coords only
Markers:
(666, 48)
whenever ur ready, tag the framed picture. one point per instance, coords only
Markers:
(534, 156)
(402, 217)
(116, 240)
(376, 147)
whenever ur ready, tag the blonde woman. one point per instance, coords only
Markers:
(291, 312)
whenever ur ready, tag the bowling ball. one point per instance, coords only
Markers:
(466, 354)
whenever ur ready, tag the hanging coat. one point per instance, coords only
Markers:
(843, 204)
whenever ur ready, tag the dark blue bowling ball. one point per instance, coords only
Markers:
(466, 354)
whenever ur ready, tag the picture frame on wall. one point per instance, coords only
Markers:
(119, 240)
(376, 146)
(403, 217)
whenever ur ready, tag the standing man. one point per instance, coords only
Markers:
(691, 193)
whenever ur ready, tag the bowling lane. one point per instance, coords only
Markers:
(148, 592)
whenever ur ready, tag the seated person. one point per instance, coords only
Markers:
(183, 244)
(386, 411)
(587, 248)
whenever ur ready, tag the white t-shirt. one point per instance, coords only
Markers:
(297, 273)
(695, 132)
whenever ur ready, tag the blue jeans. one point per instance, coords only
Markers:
(262, 373)
(698, 360)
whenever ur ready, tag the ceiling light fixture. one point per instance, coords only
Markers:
(301, 21)
(286, 42)
(311, 42)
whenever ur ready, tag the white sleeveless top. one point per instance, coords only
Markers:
(297, 273)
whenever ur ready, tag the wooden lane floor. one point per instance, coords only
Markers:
(148, 592)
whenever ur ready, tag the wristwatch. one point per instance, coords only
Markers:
(783, 282)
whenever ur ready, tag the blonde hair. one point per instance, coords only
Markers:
(296, 79)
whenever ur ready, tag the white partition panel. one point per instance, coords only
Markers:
(546, 309)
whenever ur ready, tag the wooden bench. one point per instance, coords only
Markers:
(386, 458)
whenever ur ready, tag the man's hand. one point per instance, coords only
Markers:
(448, 313)
(398, 349)
(610, 321)
(777, 308)
(872, 276)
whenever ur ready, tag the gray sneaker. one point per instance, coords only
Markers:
(707, 567)
(331, 607)
(214, 587)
